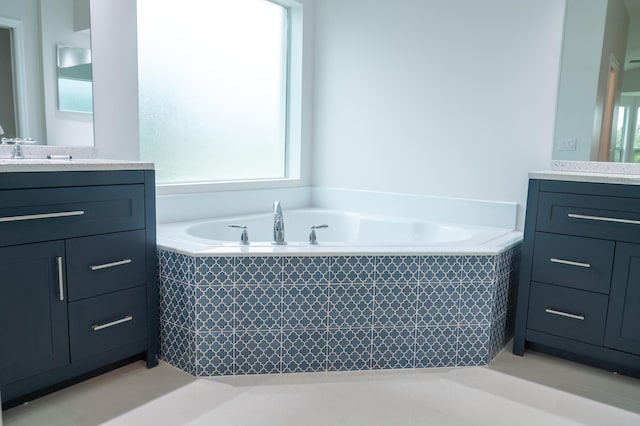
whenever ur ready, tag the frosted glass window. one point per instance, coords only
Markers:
(212, 82)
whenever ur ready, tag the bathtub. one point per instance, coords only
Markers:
(347, 232)
(375, 293)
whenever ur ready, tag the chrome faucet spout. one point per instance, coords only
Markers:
(278, 225)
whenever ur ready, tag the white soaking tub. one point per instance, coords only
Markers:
(347, 232)
(370, 283)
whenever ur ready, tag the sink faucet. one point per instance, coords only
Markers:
(17, 151)
(17, 145)
(278, 225)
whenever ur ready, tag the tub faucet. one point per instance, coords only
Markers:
(278, 225)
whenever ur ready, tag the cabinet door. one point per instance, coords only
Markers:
(623, 319)
(34, 337)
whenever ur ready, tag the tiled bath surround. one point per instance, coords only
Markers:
(281, 314)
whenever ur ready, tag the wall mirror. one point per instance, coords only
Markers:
(31, 32)
(599, 90)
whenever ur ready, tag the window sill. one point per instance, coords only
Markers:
(200, 187)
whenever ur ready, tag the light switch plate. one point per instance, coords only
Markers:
(567, 144)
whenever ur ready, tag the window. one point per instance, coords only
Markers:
(213, 89)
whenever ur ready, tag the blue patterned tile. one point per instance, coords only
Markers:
(258, 307)
(350, 306)
(214, 354)
(393, 348)
(498, 336)
(349, 350)
(475, 303)
(473, 345)
(352, 269)
(438, 304)
(395, 305)
(478, 268)
(503, 262)
(362, 294)
(176, 266)
(214, 271)
(306, 270)
(263, 270)
(508, 260)
(305, 306)
(258, 352)
(436, 347)
(397, 269)
(500, 296)
(304, 351)
(177, 347)
(176, 302)
(440, 268)
(215, 308)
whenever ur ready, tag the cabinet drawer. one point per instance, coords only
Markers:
(574, 314)
(105, 263)
(613, 218)
(30, 215)
(582, 263)
(106, 322)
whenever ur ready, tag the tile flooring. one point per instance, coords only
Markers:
(530, 390)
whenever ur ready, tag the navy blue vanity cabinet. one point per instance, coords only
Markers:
(579, 292)
(33, 310)
(78, 277)
(623, 328)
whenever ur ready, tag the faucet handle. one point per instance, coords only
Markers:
(313, 239)
(244, 237)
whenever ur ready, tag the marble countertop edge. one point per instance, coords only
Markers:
(592, 177)
(81, 164)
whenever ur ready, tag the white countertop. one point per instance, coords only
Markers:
(591, 177)
(591, 171)
(79, 164)
(599, 167)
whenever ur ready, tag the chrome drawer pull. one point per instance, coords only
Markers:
(604, 219)
(112, 323)
(60, 280)
(569, 262)
(41, 216)
(109, 265)
(564, 314)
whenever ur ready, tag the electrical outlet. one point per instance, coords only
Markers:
(567, 144)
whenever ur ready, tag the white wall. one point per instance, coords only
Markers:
(439, 98)
(63, 128)
(115, 78)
